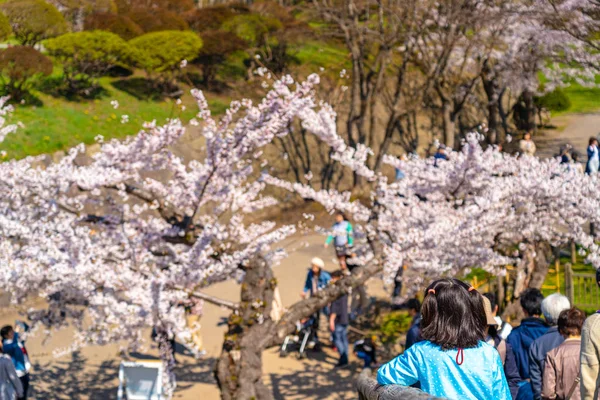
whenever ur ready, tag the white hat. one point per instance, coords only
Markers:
(318, 262)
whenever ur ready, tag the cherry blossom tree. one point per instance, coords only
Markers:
(118, 244)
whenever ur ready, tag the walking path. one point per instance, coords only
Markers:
(574, 129)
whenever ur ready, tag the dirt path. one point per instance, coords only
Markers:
(91, 373)
(575, 129)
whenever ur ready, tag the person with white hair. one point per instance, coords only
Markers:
(552, 306)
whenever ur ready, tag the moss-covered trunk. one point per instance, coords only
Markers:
(239, 368)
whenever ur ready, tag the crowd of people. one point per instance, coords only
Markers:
(457, 347)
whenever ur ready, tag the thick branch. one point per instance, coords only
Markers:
(209, 299)
(309, 306)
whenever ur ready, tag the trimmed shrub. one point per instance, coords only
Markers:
(85, 56)
(160, 54)
(33, 20)
(154, 20)
(20, 67)
(217, 45)
(5, 29)
(556, 101)
(118, 24)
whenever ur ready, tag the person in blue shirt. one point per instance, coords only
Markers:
(13, 346)
(316, 279)
(342, 238)
(453, 361)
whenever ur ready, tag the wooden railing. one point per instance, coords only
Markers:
(369, 389)
(582, 289)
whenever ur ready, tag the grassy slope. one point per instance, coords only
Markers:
(583, 99)
(60, 124)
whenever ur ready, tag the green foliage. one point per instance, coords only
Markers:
(208, 19)
(118, 24)
(217, 45)
(393, 325)
(86, 56)
(5, 29)
(253, 28)
(154, 20)
(160, 54)
(164, 51)
(33, 20)
(20, 66)
(556, 100)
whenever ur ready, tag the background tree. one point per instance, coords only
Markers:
(157, 20)
(209, 18)
(75, 11)
(85, 56)
(118, 24)
(21, 67)
(160, 54)
(217, 46)
(28, 30)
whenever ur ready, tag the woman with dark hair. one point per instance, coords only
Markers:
(593, 163)
(453, 361)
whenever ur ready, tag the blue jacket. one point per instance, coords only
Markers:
(414, 332)
(479, 376)
(521, 339)
(537, 357)
(12, 348)
(322, 281)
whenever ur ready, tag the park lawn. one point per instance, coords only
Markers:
(61, 124)
(583, 99)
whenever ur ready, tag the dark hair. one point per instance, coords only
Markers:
(598, 276)
(453, 315)
(337, 274)
(414, 304)
(531, 301)
(571, 321)
(342, 214)
(5, 331)
(492, 298)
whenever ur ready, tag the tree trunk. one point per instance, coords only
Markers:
(448, 124)
(239, 368)
(531, 273)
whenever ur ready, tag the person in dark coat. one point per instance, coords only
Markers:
(552, 306)
(414, 332)
(521, 338)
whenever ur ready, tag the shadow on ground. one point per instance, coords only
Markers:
(75, 378)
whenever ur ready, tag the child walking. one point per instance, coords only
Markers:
(452, 361)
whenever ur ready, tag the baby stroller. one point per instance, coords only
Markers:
(299, 339)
